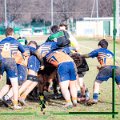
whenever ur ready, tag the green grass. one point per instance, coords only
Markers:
(56, 111)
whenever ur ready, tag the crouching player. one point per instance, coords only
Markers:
(65, 67)
(66, 70)
(32, 80)
(106, 68)
(82, 68)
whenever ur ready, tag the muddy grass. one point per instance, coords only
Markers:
(55, 110)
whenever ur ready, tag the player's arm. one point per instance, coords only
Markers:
(39, 57)
(92, 54)
(22, 49)
(86, 55)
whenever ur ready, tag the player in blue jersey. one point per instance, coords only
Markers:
(82, 68)
(61, 61)
(8, 50)
(106, 67)
(21, 62)
(57, 59)
(66, 70)
(44, 49)
(32, 80)
(21, 68)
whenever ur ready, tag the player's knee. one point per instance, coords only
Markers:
(32, 78)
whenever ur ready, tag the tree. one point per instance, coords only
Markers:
(24, 11)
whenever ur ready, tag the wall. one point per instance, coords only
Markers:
(94, 28)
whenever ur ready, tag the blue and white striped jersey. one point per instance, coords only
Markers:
(9, 47)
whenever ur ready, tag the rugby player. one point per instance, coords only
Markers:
(32, 79)
(8, 50)
(66, 70)
(106, 68)
(59, 36)
(81, 69)
(21, 62)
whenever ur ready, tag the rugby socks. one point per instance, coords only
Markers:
(95, 97)
(74, 100)
(23, 96)
(68, 103)
(15, 103)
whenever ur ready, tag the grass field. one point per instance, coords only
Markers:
(56, 110)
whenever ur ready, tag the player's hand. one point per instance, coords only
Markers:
(98, 67)
(25, 54)
(42, 67)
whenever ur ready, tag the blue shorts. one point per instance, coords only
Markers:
(22, 74)
(33, 63)
(66, 71)
(9, 65)
(107, 72)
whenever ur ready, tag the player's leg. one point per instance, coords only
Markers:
(73, 92)
(14, 83)
(82, 88)
(41, 83)
(24, 86)
(8, 83)
(96, 88)
(22, 73)
(103, 75)
(73, 85)
(11, 70)
(29, 89)
(4, 90)
(64, 82)
(6, 87)
(50, 80)
(33, 68)
(65, 92)
(33, 81)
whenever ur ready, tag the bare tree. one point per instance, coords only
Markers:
(25, 11)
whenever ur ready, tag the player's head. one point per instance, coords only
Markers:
(54, 28)
(33, 44)
(103, 43)
(63, 26)
(9, 32)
